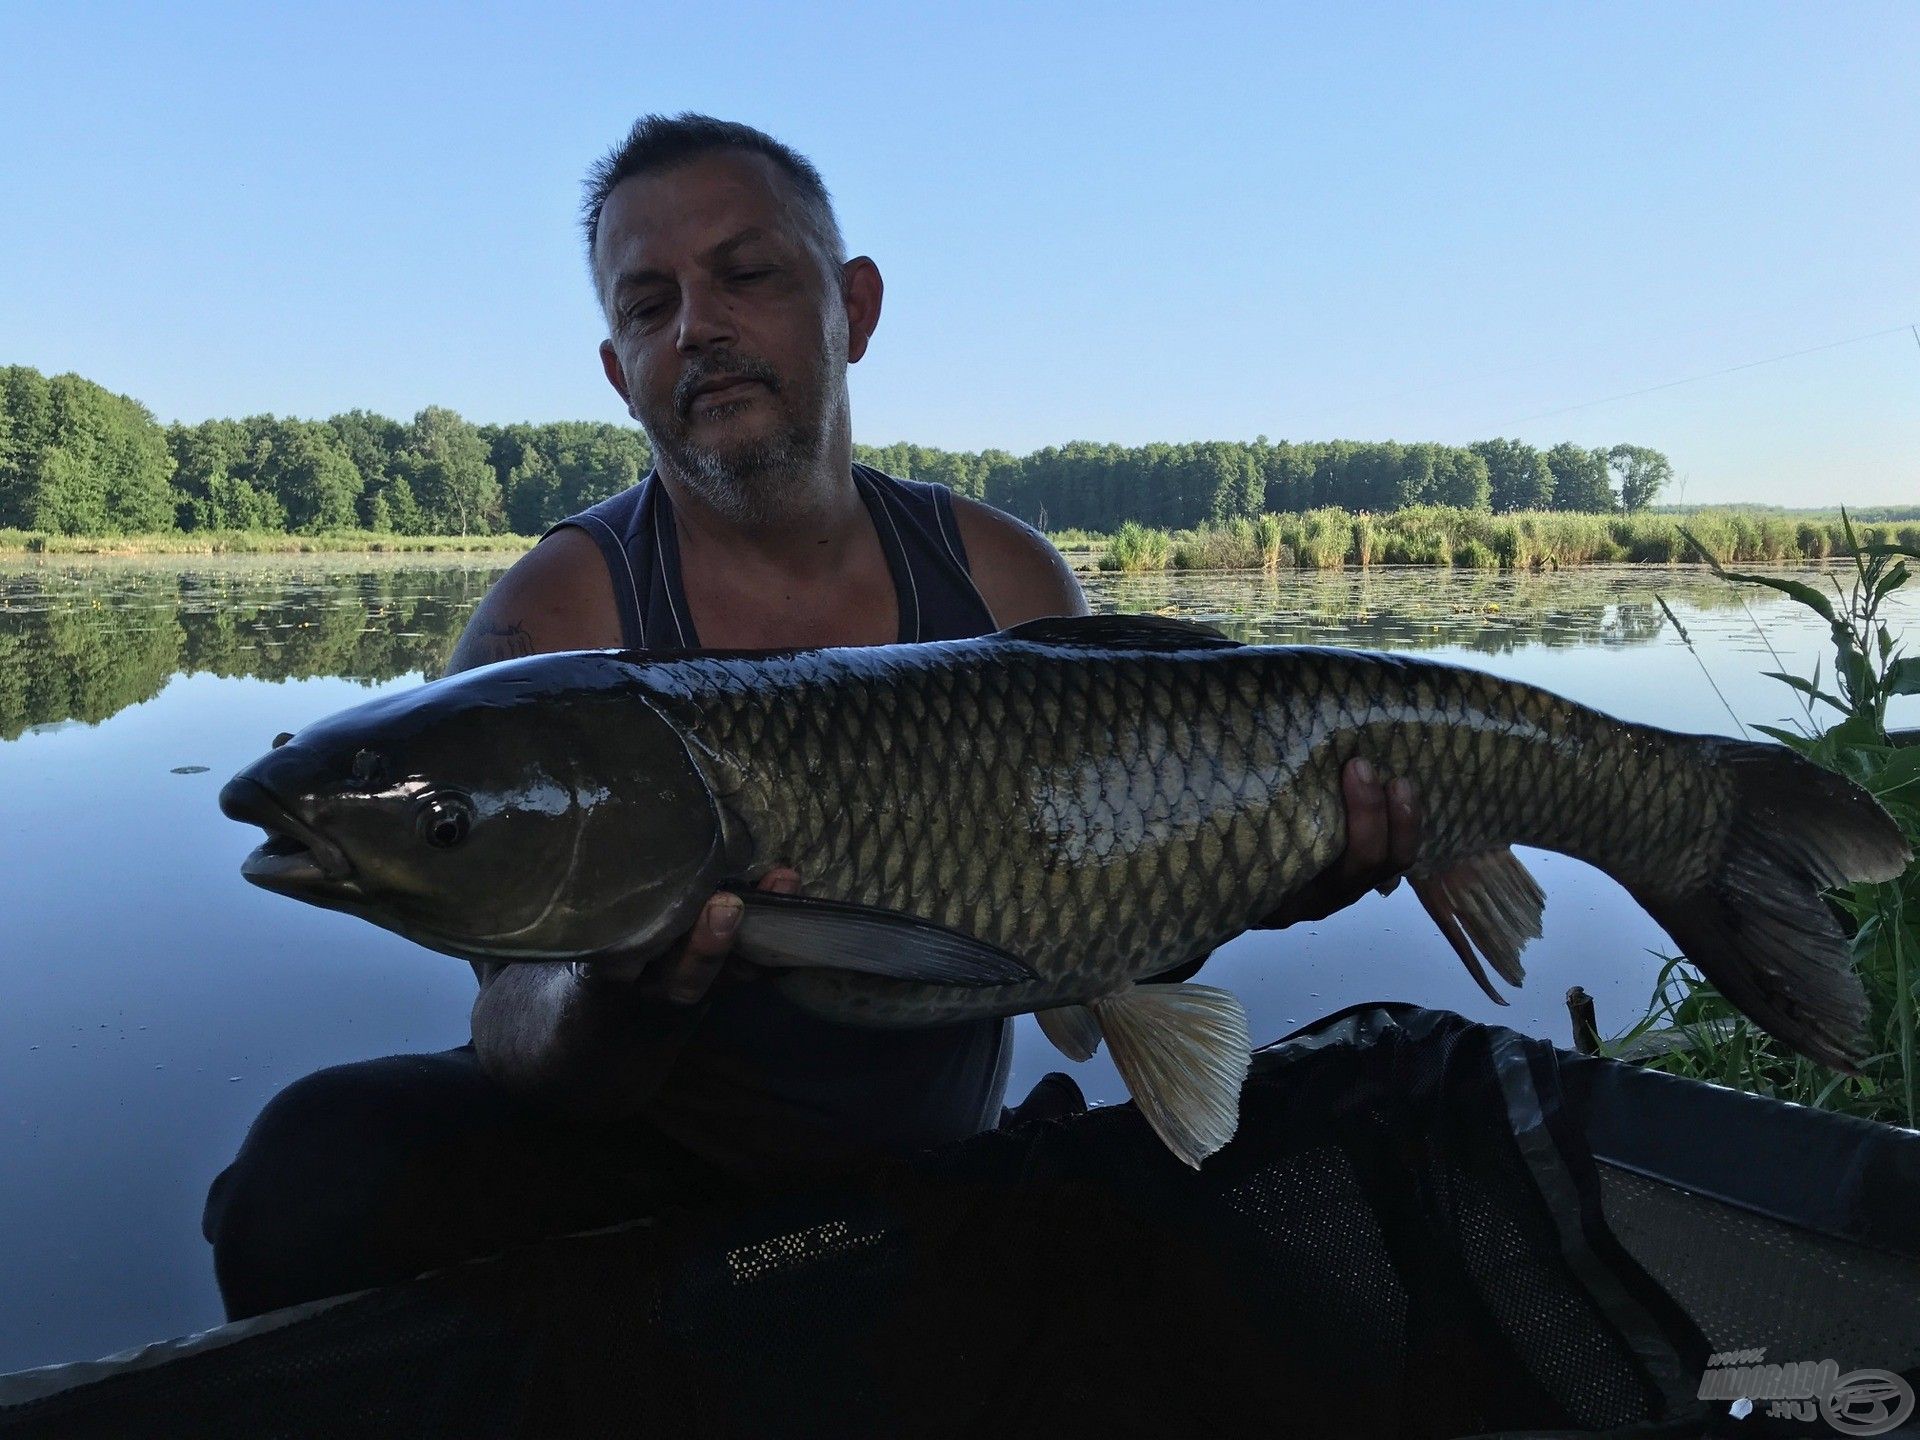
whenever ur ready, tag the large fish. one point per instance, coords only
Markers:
(1039, 819)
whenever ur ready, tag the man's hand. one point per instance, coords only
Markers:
(684, 976)
(1383, 840)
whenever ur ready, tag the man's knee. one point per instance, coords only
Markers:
(329, 1191)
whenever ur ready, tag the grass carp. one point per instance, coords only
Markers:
(1038, 820)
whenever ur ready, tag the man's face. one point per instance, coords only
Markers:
(730, 333)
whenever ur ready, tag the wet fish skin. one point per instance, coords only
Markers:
(1107, 813)
(1108, 797)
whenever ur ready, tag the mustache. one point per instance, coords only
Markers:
(717, 364)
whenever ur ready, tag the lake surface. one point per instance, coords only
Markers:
(151, 1001)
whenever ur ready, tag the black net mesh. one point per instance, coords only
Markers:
(1752, 1282)
(1406, 1238)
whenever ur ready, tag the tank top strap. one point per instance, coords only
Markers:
(634, 532)
(913, 520)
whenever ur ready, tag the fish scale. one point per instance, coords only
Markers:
(1085, 803)
(1201, 776)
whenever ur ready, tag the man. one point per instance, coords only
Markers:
(733, 313)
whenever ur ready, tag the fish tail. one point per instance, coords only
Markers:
(1757, 926)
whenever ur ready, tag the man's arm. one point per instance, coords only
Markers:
(1015, 568)
(557, 596)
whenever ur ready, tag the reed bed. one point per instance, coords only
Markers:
(254, 542)
(1476, 540)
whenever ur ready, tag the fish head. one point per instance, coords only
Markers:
(536, 809)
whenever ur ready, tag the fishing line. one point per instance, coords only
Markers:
(1688, 641)
(1716, 374)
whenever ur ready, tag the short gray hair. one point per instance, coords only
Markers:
(658, 143)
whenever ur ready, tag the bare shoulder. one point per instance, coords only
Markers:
(1018, 572)
(558, 596)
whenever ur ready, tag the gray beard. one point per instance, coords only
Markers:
(765, 483)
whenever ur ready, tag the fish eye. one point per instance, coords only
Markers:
(444, 819)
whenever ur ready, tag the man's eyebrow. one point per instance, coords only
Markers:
(630, 279)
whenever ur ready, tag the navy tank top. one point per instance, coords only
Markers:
(762, 1086)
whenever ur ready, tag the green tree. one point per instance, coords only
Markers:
(79, 459)
(1580, 478)
(1517, 474)
(26, 402)
(1640, 473)
(314, 479)
(447, 469)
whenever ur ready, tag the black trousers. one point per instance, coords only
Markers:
(372, 1173)
(366, 1174)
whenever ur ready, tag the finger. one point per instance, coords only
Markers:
(781, 881)
(687, 976)
(624, 970)
(1367, 819)
(1403, 806)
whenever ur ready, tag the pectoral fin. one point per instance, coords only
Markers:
(798, 931)
(1072, 1029)
(1183, 1051)
(1487, 903)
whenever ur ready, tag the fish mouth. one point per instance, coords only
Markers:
(295, 857)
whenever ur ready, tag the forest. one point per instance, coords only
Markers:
(77, 459)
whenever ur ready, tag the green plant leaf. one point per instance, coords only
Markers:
(1800, 591)
(1802, 743)
(1903, 676)
(1881, 547)
(1806, 687)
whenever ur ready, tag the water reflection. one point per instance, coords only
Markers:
(1402, 608)
(152, 1003)
(83, 642)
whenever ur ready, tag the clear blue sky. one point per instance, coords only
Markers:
(1113, 223)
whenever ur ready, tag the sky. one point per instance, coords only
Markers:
(1111, 223)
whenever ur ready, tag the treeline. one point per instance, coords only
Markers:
(1085, 486)
(76, 459)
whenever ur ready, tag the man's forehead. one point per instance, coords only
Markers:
(672, 216)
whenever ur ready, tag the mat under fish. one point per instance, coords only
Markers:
(1426, 1227)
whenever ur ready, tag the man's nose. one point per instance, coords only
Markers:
(706, 319)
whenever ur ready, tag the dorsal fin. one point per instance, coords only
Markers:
(1120, 632)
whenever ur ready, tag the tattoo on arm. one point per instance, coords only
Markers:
(505, 642)
(484, 646)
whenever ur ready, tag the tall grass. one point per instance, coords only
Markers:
(1717, 1042)
(1474, 539)
(251, 542)
(1135, 547)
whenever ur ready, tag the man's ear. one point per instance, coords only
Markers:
(616, 377)
(860, 291)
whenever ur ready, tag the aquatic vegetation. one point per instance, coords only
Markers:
(1713, 1041)
(1135, 547)
(1448, 535)
(255, 542)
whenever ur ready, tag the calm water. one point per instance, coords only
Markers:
(151, 1001)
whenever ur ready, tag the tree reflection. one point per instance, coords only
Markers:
(1421, 608)
(84, 642)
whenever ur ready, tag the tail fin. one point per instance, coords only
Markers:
(1758, 928)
